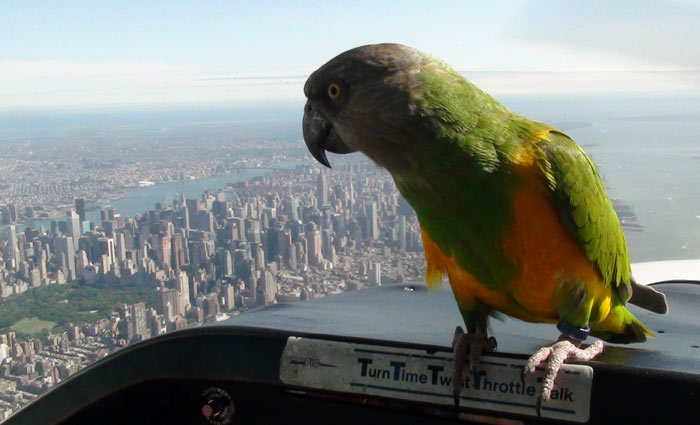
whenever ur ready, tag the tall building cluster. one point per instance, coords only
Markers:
(302, 232)
(291, 235)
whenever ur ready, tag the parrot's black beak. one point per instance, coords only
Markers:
(320, 136)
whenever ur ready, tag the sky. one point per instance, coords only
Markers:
(125, 54)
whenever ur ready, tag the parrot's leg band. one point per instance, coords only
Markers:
(572, 331)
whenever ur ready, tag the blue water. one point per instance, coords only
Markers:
(144, 199)
(647, 149)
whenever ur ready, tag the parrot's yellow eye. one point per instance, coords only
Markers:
(333, 91)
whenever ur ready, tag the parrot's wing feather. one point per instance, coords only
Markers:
(585, 208)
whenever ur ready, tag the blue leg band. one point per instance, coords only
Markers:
(572, 331)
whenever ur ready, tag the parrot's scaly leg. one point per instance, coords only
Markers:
(565, 348)
(471, 345)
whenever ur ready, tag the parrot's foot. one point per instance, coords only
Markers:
(565, 349)
(471, 344)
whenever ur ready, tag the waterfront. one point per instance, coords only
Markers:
(140, 200)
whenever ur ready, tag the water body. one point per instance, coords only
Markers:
(646, 150)
(144, 199)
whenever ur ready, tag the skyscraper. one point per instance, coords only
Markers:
(322, 189)
(290, 256)
(326, 244)
(163, 251)
(267, 288)
(139, 317)
(204, 220)
(12, 248)
(402, 233)
(258, 255)
(372, 221)
(210, 304)
(5, 215)
(225, 266)
(178, 251)
(252, 230)
(284, 241)
(14, 212)
(73, 224)
(82, 263)
(108, 227)
(240, 226)
(315, 247)
(64, 252)
(193, 207)
(80, 208)
(120, 252)
(186, 219)
(183, 286)
(293, 208)
(229, 298)
(105, 247)
(375, 274)
(166, 302)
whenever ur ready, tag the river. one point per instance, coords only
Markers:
(141, 200)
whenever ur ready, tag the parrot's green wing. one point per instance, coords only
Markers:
(585, 208)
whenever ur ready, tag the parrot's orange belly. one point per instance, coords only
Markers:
(544, 252)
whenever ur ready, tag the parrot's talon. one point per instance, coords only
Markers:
(458, 331)
(555, 356)
(467, 348)
(538, 405)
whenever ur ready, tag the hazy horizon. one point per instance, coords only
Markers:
(22, 124)
(141, 54)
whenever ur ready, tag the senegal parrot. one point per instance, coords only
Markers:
(513, 211)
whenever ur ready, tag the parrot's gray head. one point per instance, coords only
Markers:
(359, 101)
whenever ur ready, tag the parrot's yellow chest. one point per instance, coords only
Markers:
(543, 250)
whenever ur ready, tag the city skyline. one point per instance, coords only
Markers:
(288, 236)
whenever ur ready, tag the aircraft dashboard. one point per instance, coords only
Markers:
(379, 355)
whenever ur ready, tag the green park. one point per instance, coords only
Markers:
(46, 307)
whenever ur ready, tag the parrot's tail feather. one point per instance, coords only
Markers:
(621, 327)
(433, 278)
(648, 298)
(436, 263)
